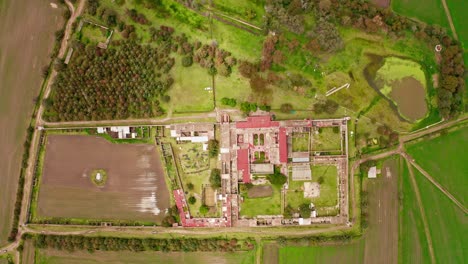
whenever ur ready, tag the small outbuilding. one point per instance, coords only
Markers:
(372, 173)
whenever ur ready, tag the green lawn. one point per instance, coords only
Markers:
(348, 253)
(252, 207)
(431, 12)
(442, 159)
(300, 142)
(188, 93)
(447, 223)
(51, 256)
(91, 33)
(329, 187)
(326, 140)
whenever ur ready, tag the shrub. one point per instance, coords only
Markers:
(213, 147)
(304, 210)
(229, 101)
(286, 108)
(215, 178)
(204, 209)
(277, 178)
(192, 200)
(190, 186)
(187, 61)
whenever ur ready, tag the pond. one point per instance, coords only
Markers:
(402, 81)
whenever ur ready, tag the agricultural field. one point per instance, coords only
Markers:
(26, 45)
(28, 255)
(412, 241)
(253, 205)
(441, 158)
(447, 223)
(380, 241)
(135, 189)
(53, 256)
(326, 139)
(432, 12)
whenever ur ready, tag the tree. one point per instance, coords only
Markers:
(304, 210)
(213, 147)
(320, 180)
(187, 61)
(190, 186)
(204, 209)
(192, 200)
(277, 178)
(215, 178)
(286, 108)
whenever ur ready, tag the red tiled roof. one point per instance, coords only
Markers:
(257, 122)
(243, 164)
(283, 145)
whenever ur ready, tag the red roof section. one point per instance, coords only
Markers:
(257, 122)
(283, 145)
(243, 164)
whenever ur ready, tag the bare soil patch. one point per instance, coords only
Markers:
(26, 41)
(382, 3)
(410, 96)
(135, 188)
(260, 191)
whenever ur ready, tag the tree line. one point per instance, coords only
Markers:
(100, 243)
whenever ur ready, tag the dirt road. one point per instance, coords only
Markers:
(449, 17)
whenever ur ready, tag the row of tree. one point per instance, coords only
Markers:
(79, 242)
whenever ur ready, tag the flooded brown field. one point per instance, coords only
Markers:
(410, 96)
(135, 188)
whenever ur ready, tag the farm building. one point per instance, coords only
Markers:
(195, 133)
(372, 173)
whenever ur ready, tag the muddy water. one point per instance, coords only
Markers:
(410, 96)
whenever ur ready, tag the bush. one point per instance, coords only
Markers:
(213, 147)
(192, 200)
(190, 186)
(204, 209)
(215, 178)
(187, 61)
(320, 180)
(229, 101)
(304, 210)
(286, 108)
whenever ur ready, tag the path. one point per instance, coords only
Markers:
(436, 184)
(449, 17)
(421, 210)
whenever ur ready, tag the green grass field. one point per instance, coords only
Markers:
(349, 253)
(300, 142)
(458, 10)
(188, 93)
(240, 10)
(326, 140)
(442, 159)
(431, 12)
(412, 242)
(447, 223)
(251, 207)
(51, 256)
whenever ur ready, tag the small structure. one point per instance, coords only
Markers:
(98, 176)
(195, 133)
(438, 48)
(372, 173)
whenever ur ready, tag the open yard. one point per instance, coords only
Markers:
(52, 256)
(270, 205)
(300, 142)
(26, 42)
(326, 139)
(135, 188)
(442, 159)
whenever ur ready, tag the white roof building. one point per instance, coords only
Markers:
(372, 173)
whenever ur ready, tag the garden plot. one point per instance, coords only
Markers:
(300, 142)
(326, 139)
(193, 158)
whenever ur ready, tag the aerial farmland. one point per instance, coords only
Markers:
(234, 131)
